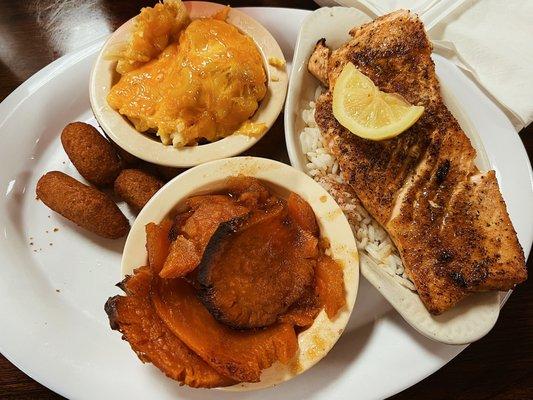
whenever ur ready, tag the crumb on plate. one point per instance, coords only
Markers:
(276, 62)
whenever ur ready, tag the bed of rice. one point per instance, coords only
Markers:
(374, 244)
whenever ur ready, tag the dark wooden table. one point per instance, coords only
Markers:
(33, 33)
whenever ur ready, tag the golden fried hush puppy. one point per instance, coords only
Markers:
(92, 155)
(136, 187)
(82, 204)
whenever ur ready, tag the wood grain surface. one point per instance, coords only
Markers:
(33, 33)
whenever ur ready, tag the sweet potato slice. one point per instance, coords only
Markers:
(330, 285)
(135, 317)
(182, 258)
(302, 314)
(158, 243)
(302, 317)
(209, 212)
(248, 191)
(241, 355)
(177, 224)
(303, 214)
(255, 268)
(191, 231)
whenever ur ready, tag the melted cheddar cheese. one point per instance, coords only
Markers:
(154, 28)
(205, 85)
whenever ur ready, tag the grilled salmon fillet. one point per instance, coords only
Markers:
(447, 219)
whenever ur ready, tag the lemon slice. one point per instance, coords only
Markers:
(366, 111)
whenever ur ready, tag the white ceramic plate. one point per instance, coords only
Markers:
(63, 340)
(150, 149)
(283, 179)
(475, 316)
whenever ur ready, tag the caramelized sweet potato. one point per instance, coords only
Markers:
(303, 214)
(302, 314)
(192, 230)
(254, 268)
(182, 258)
(307, 244)
(157, 244)
(330, 285)
(195, 227)
(177, 224)
(241, 355)
(248, 191)
(135, 317)
(209, 213)
(302, 317)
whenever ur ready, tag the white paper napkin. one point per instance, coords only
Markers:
(491, 39)
(431, 11)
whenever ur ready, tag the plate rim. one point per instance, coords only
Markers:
(41, 77)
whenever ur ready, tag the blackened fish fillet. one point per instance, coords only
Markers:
(447, 219)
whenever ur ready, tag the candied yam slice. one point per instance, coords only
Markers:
(303, 214)
(195, 202)
(302, 316)
(241, 355)
(252, 270)
(330, 285)
(190, 231)
(182, 259)
(177, 224)
(307, 245)
(135, 317)
(248, 191)
(209, 212)
(157, 244)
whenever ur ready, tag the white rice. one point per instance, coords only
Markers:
(374, 244)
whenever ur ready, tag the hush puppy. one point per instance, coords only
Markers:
(82, 204)
(136, 187)
(92, 155)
